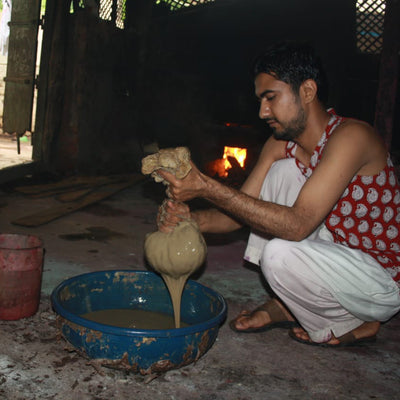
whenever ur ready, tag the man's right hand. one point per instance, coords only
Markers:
(170, 213)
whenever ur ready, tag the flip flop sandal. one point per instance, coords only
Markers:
(347, 340)
(275, 313)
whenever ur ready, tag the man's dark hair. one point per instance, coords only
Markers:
(293, 63)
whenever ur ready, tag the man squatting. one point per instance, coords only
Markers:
(323, 203)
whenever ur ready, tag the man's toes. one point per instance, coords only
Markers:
(301, 333)
(242, 317)
(244, 313)
(298, 330)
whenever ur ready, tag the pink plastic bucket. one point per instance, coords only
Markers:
(21, 261)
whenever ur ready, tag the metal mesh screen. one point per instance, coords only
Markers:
(370, 18)
(109, 10)
(177, 4)
(105, 10)
(115, 10)
(120, 15)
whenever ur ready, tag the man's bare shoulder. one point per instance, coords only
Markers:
(356, 129)
(358, 139)
(274, 149)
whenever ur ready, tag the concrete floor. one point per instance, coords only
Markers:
(36, 364)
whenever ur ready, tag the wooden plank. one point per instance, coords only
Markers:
(50, 214)
(61, 191)
(74, 195)
(69, 184)
(52, 80)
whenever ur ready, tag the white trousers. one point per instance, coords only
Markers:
(328, 287)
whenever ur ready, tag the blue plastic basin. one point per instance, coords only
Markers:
(145, 351)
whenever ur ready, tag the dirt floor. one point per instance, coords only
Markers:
(9, 150)
(35, 363)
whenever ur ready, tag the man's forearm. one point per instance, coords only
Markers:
(273, 219)
(215, 221)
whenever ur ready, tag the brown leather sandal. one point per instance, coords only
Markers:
(277, 316)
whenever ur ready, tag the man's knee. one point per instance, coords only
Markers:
(283, 182)
(273, 258)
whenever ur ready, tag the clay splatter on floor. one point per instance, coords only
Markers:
(36, 364)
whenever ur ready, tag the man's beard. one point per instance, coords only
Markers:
(292, 129)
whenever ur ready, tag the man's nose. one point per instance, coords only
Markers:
(264, 111)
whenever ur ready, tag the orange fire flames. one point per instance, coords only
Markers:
(221, 166)
(237, 152)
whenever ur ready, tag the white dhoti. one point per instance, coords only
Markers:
(327, 286)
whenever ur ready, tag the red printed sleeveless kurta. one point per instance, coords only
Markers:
(367, 216)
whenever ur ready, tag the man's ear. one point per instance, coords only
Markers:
(308, 90)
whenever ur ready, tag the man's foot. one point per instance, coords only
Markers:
(365, 333)
(268, 316)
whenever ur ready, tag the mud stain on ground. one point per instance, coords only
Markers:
(95, 233)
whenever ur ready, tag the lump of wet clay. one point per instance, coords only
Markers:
(174, 160)
(176, 255)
